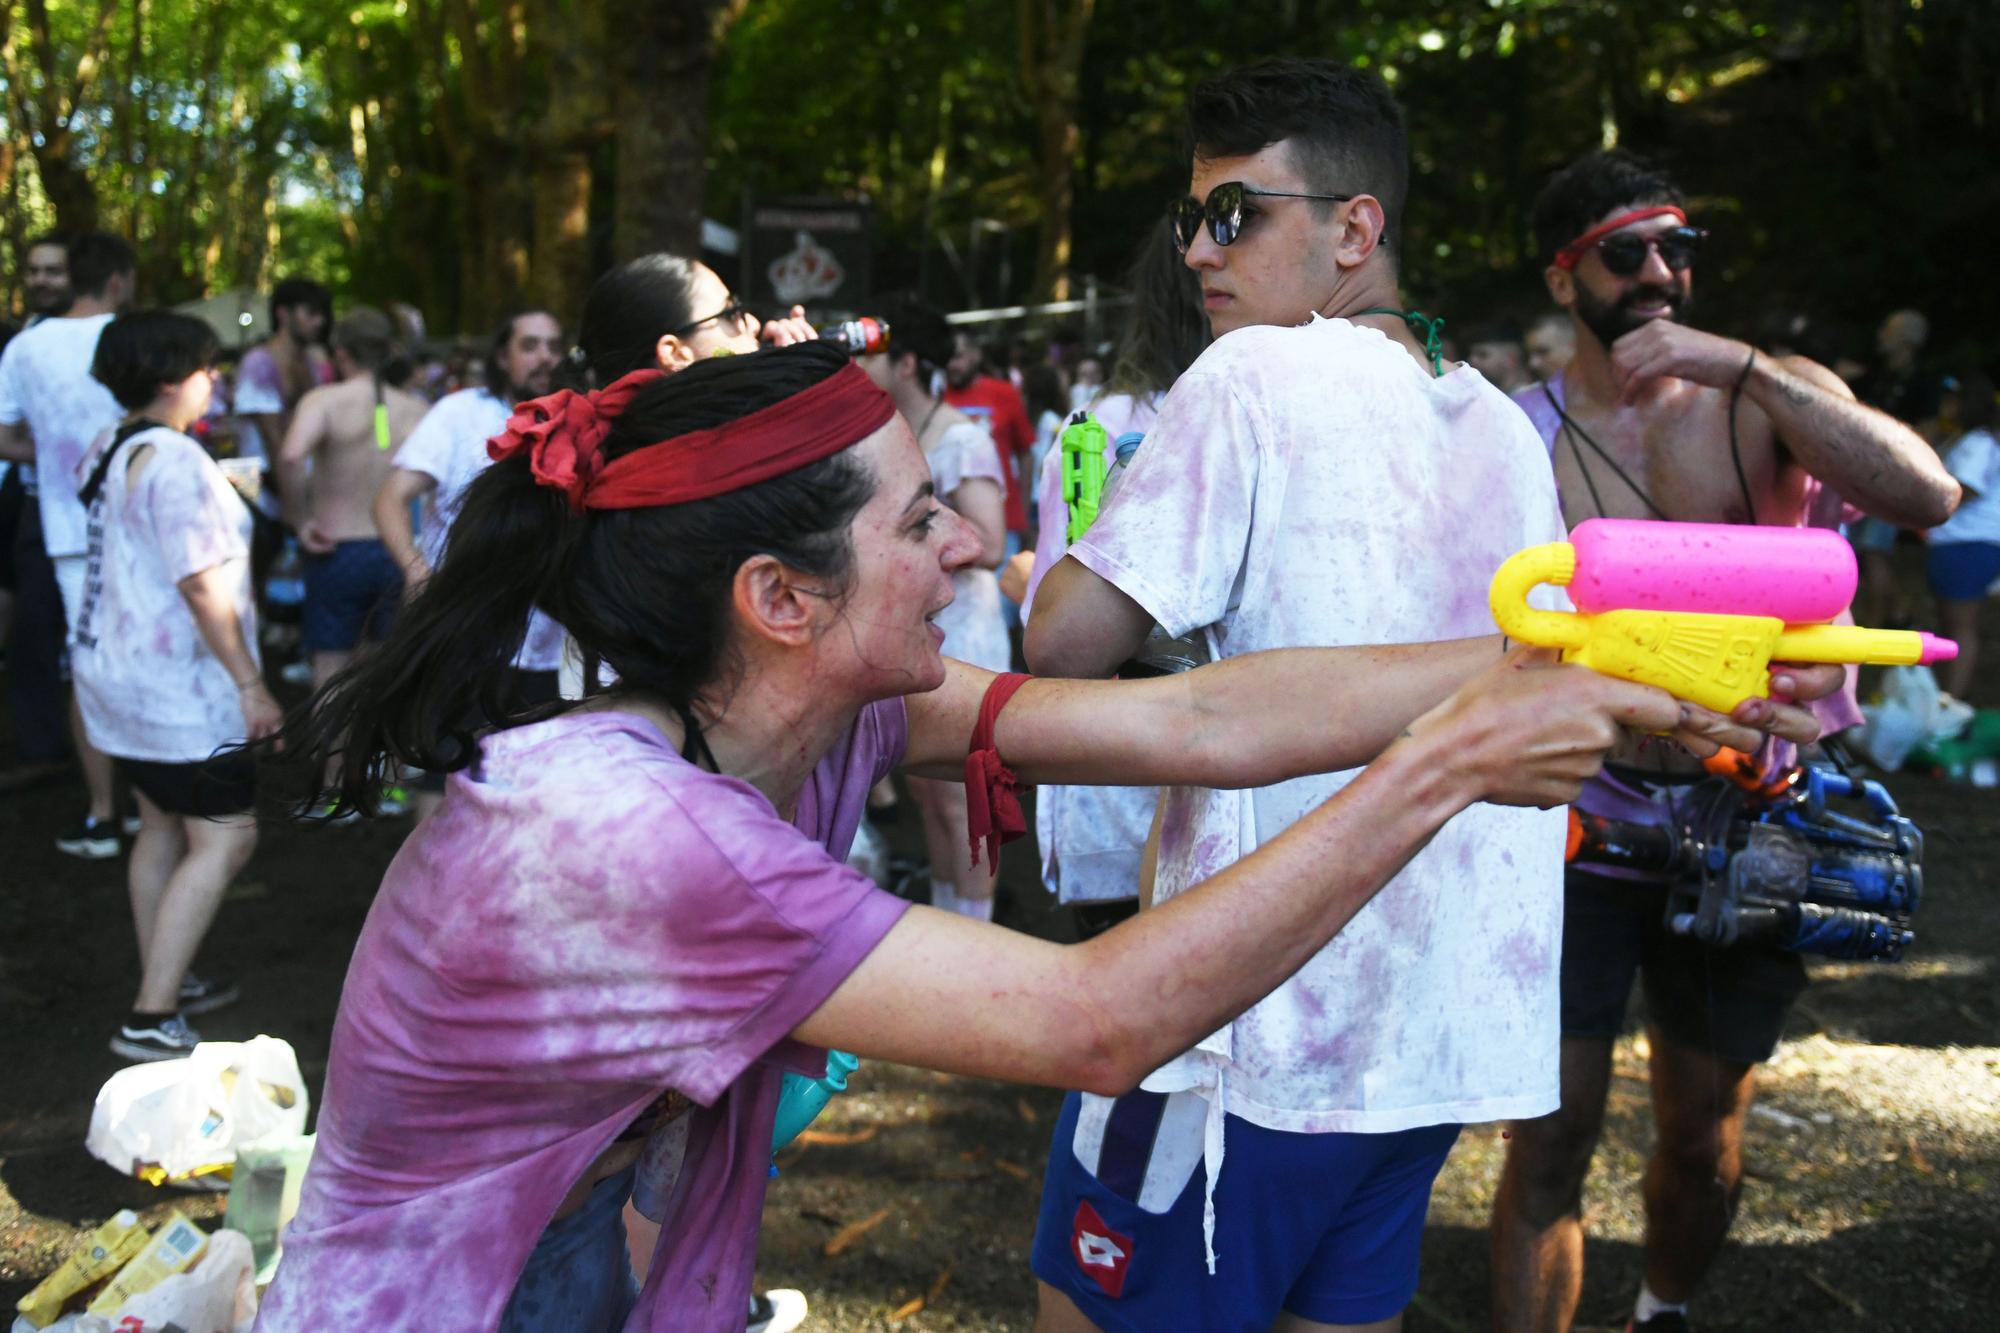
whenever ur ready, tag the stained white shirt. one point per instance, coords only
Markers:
(45, 380)
(449, 447)
(1974, 460)
(1315, 486)
(975, 627)
(147, 682)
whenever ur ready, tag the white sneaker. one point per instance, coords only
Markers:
(778, 1311)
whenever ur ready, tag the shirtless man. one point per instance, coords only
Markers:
(336, 455)
(277, 372)
(1655, 419)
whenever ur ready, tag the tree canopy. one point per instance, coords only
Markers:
(465, 155)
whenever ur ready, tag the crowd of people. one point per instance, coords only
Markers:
(643, 616)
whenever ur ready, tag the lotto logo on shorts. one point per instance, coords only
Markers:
(1100, 1252)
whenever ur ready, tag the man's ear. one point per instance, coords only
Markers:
(671, 354)
(771, 604)
(1362, 224)
(1561, 284)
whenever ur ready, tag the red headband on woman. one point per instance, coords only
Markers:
(564, 433)
(1569, 254)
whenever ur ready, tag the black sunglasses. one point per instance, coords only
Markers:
(735, 316)
(1224, 211)
(1625, 254)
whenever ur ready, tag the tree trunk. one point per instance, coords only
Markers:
(575, 120)
(1049, 42)
(661, 159)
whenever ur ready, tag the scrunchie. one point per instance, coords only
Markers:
(563, 433)
(992, 810)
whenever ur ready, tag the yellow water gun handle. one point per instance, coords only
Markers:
(1524, 571)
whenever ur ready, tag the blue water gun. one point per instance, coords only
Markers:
(801, 1099)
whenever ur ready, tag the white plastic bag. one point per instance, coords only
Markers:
(217, 1295)
(182, 1121)
(1906, 716)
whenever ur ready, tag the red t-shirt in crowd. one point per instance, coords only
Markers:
(996, 405)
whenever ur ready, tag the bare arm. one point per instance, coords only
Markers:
(947, 993)
(1868, 456)
(1872, 459)
(981, 503)
(16, 446)
(402, 488)
(1083, 625)
(211, 600)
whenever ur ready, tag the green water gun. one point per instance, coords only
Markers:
(1085, 465)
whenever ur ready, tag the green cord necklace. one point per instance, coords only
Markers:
(1429, 329)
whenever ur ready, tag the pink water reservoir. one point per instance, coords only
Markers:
(1802, 576)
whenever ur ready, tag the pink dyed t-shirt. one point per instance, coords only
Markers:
(148, 684)
(589, 921)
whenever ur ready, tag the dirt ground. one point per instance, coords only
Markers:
(1874, 1199)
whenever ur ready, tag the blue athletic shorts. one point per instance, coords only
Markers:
(351, 595)
(579, 1278)
(1325, 1226)
(1961, 571)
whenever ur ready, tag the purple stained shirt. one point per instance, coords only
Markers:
(589, 921)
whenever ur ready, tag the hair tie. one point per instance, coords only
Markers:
(563, 433)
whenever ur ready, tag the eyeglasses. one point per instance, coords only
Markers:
(732, 318)
(1224, 211)
(1625, 254)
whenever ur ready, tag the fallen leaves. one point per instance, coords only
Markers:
(844, 1238)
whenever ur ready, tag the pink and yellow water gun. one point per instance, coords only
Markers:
(1698, 609)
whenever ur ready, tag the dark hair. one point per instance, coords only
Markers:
(1345, 127)
(915, 327)
(140, 351)
(646, 590)
(300, 291)
(1042, 391)
(1592, 186)
(1976, 406)
(369, 337)
(496, 347)
(1167, 327)
(630, 309)
(47, 238)
(95, 258)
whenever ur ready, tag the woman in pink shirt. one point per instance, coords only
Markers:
(586, 975)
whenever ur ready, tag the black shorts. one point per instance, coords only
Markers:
(1728, 1002)
(525, 690)
(212, 788)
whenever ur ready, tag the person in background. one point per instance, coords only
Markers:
(1497, 352)
(1900, 384)
(45, 288)
(966, 472)
(50, 412)
(1965, 549)
(1086, 383)
(995, 404)
(1551, 342)
(436, 464)
(277, 372)
(165, 657)
(1042, 393)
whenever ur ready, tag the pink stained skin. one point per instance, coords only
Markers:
(1802, 576)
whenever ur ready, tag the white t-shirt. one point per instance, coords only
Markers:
(975, 627)
(1975, 461)
(1091, 838)
(449, 446)
(1314, 486)
(45, 381)
(146, 680)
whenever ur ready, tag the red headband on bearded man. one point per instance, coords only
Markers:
(563, 435)
(1567, 257)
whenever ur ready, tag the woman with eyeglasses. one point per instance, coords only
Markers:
(664, 312)
(629, 919)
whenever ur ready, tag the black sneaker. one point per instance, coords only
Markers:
(199, 995)
(778, 1311)
(169, 1039)
(1666, 1321)
(91, 839)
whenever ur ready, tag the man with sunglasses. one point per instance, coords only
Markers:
(1318, 477)
(1655, 419)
